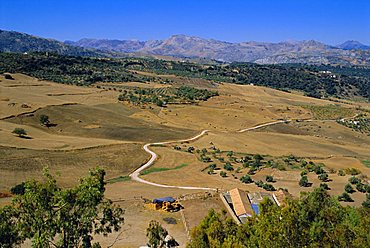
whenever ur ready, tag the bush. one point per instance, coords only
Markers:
(352, 171)
(44, 119)
(354, 180)
(324, 186)
(341, 173)
(345, 197)
(228, 167)
(304, 182)
(18, 189)
(246, 179)
(223, 174)
(323, 177)
(19, 131)
(269, 179)
(349, 189)
(361, 187)
(268, 187)
(8, 76)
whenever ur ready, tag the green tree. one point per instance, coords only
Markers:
(349, 189)
(246, 179)
(270, 178)
(323, 177)
(19, 131)
(228, 166)
(223, 174)
(52, 216)
(10, 233)
(345, 197)
(44, 120)
(158, 236)
(303, 182)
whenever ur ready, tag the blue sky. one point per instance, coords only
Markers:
(329, 21)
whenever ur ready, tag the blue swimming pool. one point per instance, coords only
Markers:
(255, 208)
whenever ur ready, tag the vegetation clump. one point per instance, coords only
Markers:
(47, 214)
(303, 222)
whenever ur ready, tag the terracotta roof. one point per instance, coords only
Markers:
(240, 202)
(280, 195)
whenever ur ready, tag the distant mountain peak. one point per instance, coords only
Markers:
(353, 45)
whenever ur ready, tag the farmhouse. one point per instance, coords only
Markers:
(242, 205)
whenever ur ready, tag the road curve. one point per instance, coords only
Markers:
(153, 156)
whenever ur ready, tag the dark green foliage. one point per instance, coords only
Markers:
(323, 177)
(341, 173)
(18, 189)
(19, 131)
(44, 120)
(348, 188)
(270, 179)
(8, 76)
(352, 171)
(360, 187)
(354, 180)
(303, 182)
(314, 220)
(85, 71)
(156, 235)
(191, 93)
(46, 213)
(366, 203)
(223, 174)
(268, 187)
(324, 186)
(246, 179)
(345, 197)
(228, 167)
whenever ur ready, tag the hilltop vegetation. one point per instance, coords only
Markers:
(340, 82)
(11, 41)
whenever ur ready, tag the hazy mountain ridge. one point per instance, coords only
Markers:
(310, 51)
(353, 45)
(11, 41)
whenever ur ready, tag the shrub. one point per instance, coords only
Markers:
(345, 197)
(348, 188)
(18, 189)
(246, 179)
(228, 167)
(268, 187)
(223, 174)
(19, 131)
(304, 182)
(354, 180)
(269, 179)
(323, 177)
(352, 171)
(8, 76)
(341, 173)
(361, 187)
(324, 186)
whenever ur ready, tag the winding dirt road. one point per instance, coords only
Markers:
(153, 156)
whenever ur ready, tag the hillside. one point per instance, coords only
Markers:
(310, 51)
(353, 45)
(17, 42)
(316, 81)
(182, 46)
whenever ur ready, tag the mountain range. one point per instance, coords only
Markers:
(182, 46)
